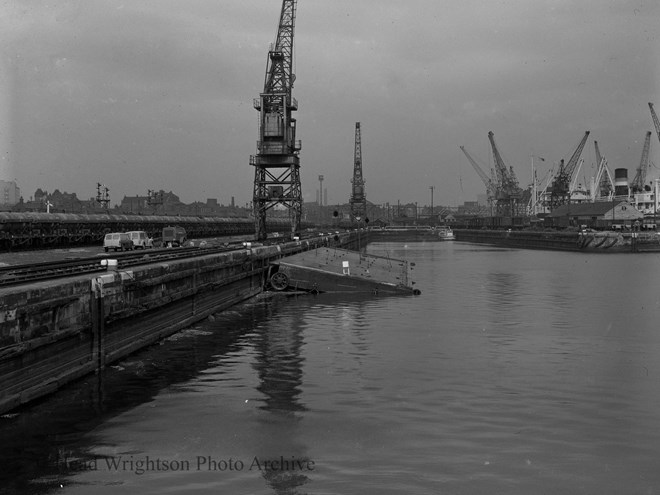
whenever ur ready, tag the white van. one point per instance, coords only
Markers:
(140, 239)
(117, 241)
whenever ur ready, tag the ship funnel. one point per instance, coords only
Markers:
(621, 182)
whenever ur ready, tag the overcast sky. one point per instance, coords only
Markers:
(157, 94)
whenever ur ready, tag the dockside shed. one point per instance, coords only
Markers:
(598, 215)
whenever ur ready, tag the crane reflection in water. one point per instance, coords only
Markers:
(279, 364)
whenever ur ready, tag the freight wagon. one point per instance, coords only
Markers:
(30, 230)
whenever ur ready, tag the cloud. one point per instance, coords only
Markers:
(159, 93)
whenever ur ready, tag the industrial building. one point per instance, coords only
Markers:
(598, 215)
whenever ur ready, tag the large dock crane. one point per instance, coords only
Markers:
(489, 182)
(561, 184)
(639, 181)
(358, 199)
(277, 164)
(509, 196)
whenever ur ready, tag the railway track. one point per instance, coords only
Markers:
(35, 272)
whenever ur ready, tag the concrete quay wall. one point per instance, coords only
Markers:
(584, 241)
(564, 241)
(53, 332)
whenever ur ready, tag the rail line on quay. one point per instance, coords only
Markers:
(35, 272)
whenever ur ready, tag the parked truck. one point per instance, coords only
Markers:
(173, 236)
(140, 239)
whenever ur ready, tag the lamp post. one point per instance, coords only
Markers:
(431, 188)
(321, 198)
(357, 218)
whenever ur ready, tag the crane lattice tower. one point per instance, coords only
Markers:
(639, 181)
(561, 184)
(358, 199)
(277, 164)
(509, 195)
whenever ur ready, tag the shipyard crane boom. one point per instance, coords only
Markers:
(569, 168)
(640, 176)
(547, 178)
(656, 122)
(490, 184)
(277, 164)
(561, 185)
(603, 184)
(576, 176)
(599, 157)
(358, 200)
(507, 182)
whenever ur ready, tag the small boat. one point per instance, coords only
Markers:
(445, 234)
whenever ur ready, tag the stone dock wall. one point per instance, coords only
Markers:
(53, 332)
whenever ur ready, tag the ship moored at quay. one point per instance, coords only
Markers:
(601, 226)
(585, 240)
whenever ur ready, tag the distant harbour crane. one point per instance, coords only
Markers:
(576, 176)
(560, 193)
(358, 200)
(534, 199)
(509, 198)
(656, 122)
(489, 182)
(603, 185)
(599, 156)
(639, 182)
